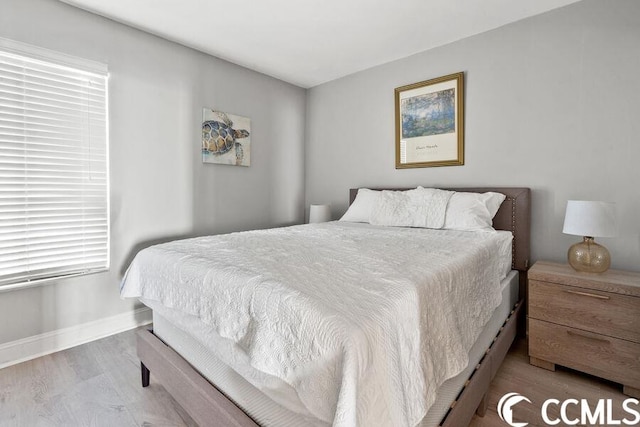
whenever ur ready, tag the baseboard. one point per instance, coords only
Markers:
(29, 348)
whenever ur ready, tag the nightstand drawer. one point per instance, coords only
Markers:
(601, 312)
(615, 359)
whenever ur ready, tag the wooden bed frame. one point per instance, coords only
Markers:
(208, 406)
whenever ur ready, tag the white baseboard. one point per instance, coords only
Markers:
(29, 348)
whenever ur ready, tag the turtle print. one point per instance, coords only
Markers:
(218, 137)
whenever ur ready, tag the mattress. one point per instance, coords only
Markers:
(268, 413)
(348, 325)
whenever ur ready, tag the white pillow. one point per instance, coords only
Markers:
(420, 207)
(472, 211)
(394, 209)
(360, 209)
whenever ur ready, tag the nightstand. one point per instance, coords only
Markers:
(585, 321)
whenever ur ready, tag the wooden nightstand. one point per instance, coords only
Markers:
(585, 321)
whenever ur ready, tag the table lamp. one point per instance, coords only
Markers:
(319, 213)
(589, 219)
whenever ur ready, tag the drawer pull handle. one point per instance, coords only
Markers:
(591, 337)
(587, 294)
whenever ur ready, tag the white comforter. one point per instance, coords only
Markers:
(363, 322)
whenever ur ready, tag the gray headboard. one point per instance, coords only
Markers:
(514, 215)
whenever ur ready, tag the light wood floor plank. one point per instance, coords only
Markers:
(98, 384)
(95, 384)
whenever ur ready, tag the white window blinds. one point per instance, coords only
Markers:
(53, 165)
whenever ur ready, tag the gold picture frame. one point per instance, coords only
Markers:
(430, 123)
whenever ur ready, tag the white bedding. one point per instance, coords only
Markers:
(198, 345)
(364, 323)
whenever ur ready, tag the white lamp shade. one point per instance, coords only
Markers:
(319, 213)
(589, 218)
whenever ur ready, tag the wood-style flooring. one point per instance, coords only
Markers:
(95, 384)
(98, 384)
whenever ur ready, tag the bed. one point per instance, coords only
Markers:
(185, 355)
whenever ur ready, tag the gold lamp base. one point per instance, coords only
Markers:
(588, 256)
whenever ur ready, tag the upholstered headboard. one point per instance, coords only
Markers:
(514, 215)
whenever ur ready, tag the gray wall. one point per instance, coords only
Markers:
(159, 187)
(552, 102)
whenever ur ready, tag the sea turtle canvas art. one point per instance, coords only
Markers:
(226, 138)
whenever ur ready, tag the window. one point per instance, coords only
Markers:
(54, 213)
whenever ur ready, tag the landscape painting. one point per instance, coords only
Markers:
(226, 138)
(429, 123)
(429, 114)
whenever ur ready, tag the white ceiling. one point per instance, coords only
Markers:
(309, 42)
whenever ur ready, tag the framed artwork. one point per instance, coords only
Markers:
(226, 138)
(430, 123)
